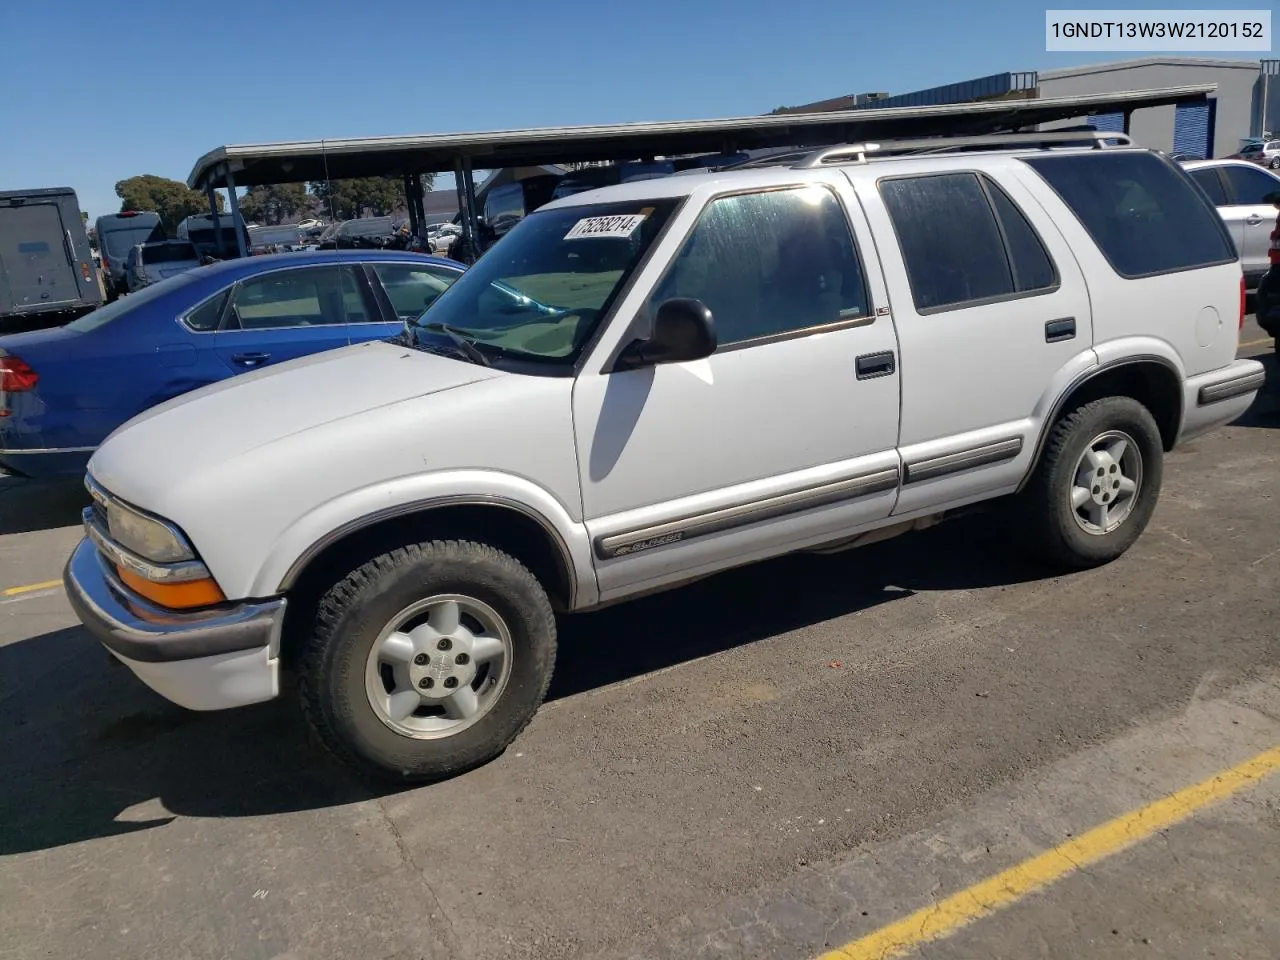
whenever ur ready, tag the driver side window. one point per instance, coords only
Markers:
(768, 264)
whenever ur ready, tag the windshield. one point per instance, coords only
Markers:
(118, 308)
(538, 293)
(120, 240)
(168, 252)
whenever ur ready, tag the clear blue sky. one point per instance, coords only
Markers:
(93, 92)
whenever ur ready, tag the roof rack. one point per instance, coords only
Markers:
(857, 152)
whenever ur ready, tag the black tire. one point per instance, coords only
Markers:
(352, 613)
(1048, 516)
(1275, 163)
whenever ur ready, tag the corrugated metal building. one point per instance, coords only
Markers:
(1246, 103)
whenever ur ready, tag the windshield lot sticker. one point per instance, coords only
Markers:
(623, 225)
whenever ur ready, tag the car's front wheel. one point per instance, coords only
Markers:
(428, 660)
(1097, 483)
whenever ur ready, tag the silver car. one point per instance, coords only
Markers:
(151, 262)
(1265, 154)
(1239, 190)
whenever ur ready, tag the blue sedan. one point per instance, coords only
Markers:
(62, 391)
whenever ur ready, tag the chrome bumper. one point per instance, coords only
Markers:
(134, 629)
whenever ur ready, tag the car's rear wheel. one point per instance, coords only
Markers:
(1097, 483)
(428, 660)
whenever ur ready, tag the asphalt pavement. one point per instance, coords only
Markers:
(776, 762)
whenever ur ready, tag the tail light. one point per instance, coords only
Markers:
(1243, 298)
(16, 375)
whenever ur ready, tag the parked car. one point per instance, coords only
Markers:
(364, 233)
(445, 238)
(220, 243)
(152, 262)
(117, 234)
(646, 384)
(1265, 153)
(46, 267)
(64, 390)
(509, 203)
(278, 239)
(1240, 191)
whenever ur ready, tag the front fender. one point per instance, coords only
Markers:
(329, 521)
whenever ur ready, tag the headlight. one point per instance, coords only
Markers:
(144, 536)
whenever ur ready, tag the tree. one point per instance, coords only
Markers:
(172, 199)
(378, 196)
(275, 203)
(354, 198)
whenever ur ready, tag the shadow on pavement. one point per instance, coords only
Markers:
(30, 505)
(778, 596)
(83, 741)
(1265, 410)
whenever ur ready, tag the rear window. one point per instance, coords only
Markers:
(1144, 214)
(119, 240)
(125, 306)
(169, 253)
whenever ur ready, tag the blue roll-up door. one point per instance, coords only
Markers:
(1192, 123)
(1110, 122)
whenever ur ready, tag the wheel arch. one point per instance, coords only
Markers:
(1151, 380)
(502, 523)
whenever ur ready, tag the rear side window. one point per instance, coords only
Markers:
(412, 288)
(205, 317)
(964, 241)
(1208, 180)
(1140, 211)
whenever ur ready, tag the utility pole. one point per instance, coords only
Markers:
(1269, 70)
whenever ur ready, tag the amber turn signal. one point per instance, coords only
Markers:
(175, 596)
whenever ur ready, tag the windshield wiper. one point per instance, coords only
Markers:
(468, 348)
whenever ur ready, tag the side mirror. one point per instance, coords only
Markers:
(683, 330)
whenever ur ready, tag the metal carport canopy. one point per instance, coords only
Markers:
(317, 160)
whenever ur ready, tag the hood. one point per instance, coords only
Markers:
(220, 422)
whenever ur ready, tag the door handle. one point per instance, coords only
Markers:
(1055, 331)
(1253, 220)
(250, 359)
(871, 365)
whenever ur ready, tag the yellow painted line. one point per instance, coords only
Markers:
(1255, 343)
(1006, 888)
(29, 588)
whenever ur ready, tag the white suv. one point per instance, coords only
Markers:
(649, 383)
